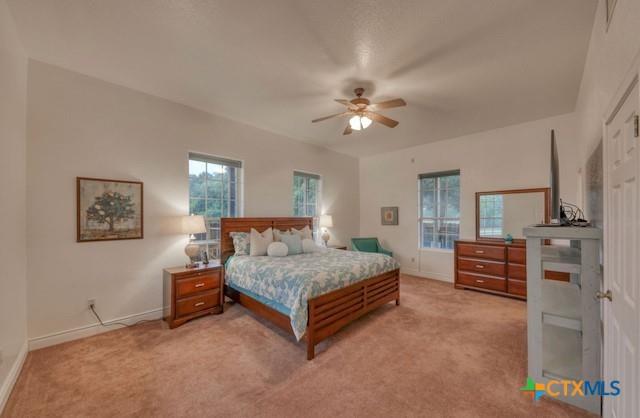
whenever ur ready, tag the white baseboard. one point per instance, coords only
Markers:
(89, 330)
(427, 275)
(12, 377)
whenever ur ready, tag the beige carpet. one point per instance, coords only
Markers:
(443, 352)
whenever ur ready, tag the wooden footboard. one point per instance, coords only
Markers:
(330, 312)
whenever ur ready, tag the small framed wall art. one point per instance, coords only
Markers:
(389, 215)
(109, 209)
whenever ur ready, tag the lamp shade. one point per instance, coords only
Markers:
(193, 224)
(326, 221)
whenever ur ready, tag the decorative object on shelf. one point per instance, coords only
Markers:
(193, 224)
(508, 239)
(389, 215)
(204, 257)
(108, 209)
(326, 221)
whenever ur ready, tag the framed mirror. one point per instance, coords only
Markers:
(503, 212)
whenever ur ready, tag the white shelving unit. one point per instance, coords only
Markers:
(564, 325)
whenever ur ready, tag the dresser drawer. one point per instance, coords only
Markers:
(517, 255)
(482, 266)
(197, 284)
(197, 303)
(517, 287)
(485, 282)
(517, 271)
(481, 251)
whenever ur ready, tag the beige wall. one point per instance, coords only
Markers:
(81, 126)
(513, 157)
(13, 85)
(612, 51)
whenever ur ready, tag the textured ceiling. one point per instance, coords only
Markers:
(463, 66)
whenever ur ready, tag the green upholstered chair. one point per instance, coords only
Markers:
(369, 245)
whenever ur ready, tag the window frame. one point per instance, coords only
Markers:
(437, 176)
(209, 242)
(318, 192)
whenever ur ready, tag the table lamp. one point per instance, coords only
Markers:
(326, 221)
(191, 225)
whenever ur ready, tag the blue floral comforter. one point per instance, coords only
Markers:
(291, 281)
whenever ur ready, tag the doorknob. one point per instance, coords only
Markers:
(605, 295)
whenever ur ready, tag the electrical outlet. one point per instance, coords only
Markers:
(91, 302)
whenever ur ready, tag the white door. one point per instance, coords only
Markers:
(622, 259)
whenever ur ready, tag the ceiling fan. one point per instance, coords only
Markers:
(362, 112)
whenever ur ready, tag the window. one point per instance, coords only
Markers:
(306, 192)
(214, 192)
(439, 209)
(491, 214)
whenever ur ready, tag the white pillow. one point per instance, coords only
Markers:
(277, 233)
(305, 233)
(259, 242)
(308, 246)
(277, 249)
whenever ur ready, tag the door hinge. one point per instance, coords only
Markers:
(636, 126)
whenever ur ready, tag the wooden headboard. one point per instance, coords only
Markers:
(228, 225)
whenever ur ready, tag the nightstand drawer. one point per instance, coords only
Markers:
(190, 286)
(197, 303)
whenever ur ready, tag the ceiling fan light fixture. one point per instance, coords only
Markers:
(358, 122)
(355, 123)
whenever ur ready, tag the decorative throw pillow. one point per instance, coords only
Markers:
(240, 242)
(305, 233)
(259, 242)
(277, 233)
(308, 246)
(277, 249)
(293, 243)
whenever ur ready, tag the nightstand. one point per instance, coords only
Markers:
(337, 247)
(192, 293)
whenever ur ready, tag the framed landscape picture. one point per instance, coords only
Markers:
(109, 209)
(389, 215)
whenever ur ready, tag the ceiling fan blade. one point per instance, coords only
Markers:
(347, 130)
(382, 119)
(388, 104)
(347, 103)
(330, 116)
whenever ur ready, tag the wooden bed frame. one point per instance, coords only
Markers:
(328, 313)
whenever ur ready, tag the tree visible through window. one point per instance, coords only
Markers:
(491, 215)
(214, 192)
(439, 221)
(306, 189)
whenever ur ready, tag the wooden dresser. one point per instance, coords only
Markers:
(491, 266)
(192, 293)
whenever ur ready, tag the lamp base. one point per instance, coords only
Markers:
(326, 237)
(191, 250)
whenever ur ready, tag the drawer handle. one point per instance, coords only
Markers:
(479, 266)
(198, 304)
(479, 281)
(199, 284)
(479, 251)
